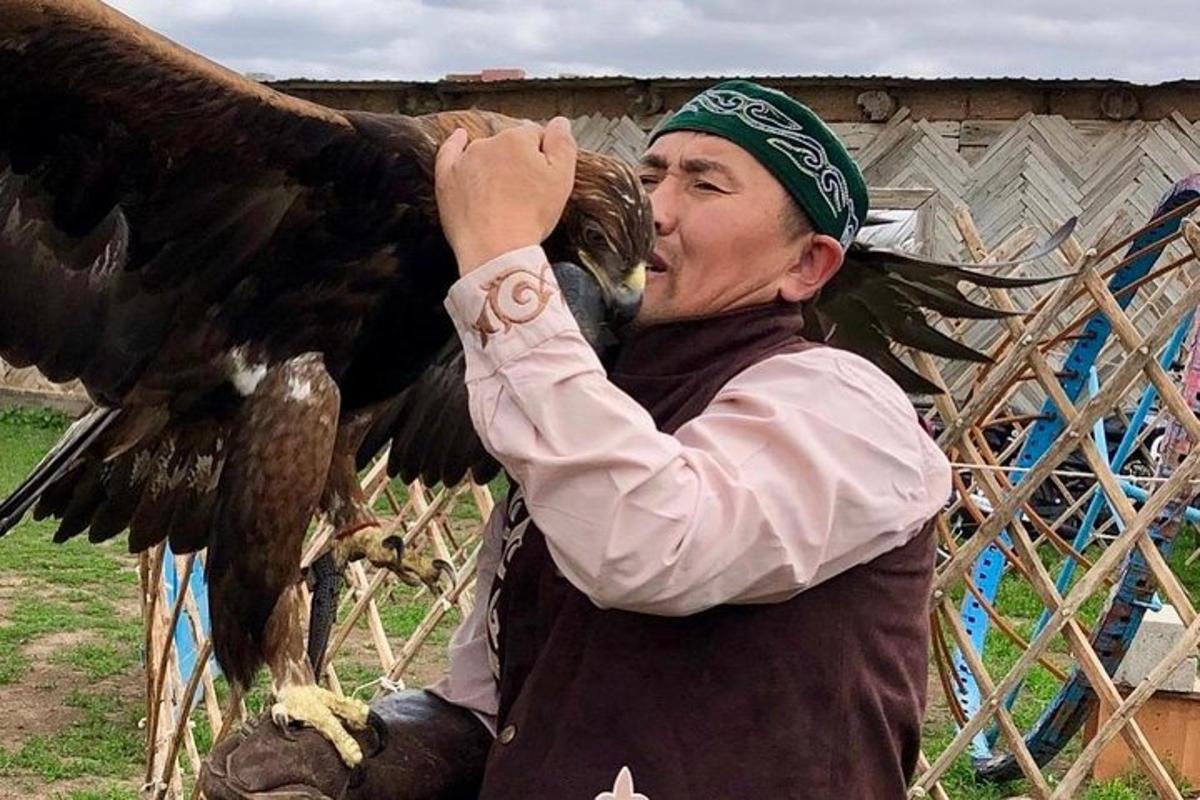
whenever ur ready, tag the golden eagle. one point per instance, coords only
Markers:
(239, 278)
(250, 287)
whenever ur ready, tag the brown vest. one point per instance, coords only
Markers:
(820, 696)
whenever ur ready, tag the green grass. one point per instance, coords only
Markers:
(97, 661)
(27, 620)
(401, 614)
(69, 589)
(107, 793)
(35, 418)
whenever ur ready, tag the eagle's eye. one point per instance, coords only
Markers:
(594, 238)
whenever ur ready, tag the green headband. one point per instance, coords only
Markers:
(791, 142)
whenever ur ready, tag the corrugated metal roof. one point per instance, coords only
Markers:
(617, 80)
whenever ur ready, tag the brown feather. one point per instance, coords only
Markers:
(54, 499)
(274, 473)
(115, 512)
(148, 525)
(85, 499)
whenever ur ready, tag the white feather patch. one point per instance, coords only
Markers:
(245, 376)
(299, 389)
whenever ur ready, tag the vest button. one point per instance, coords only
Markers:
(507, 734)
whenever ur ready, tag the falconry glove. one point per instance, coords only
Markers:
(417, 747)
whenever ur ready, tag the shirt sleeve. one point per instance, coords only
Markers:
(468, 681)
(802, 466)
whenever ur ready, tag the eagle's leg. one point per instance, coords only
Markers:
(298, 698)
(359, 533)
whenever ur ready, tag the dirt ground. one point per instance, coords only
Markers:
(44, 706)
(44, 687)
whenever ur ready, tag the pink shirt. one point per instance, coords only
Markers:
(802, 466)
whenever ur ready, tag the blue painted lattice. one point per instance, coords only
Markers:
(186, 645)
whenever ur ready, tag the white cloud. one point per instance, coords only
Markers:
(425, 39)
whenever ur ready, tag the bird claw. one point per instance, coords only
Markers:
(444, 569)
(437, 575)
(372, 542)
(328, 713)
(386, 550)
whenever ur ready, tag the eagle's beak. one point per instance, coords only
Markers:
(627, 298)
(624, 300)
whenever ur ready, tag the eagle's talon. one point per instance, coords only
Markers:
(383, 549)
(325, 711)
(386, 550)
(416, 570)
(279, 715)
(380, 728)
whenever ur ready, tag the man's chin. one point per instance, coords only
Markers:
(660, 304)
(655, 307)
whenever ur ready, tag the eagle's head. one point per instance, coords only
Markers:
(601, 246)
(604, 240)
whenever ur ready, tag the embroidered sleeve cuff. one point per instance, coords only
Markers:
(507, 307)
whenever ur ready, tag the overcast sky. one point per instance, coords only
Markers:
(1145, 41)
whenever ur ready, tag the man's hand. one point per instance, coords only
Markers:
(503, 192)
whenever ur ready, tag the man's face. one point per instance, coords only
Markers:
(723, 236)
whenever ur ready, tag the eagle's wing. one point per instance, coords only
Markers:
(157, 209)
(430, 428)
(170, 230)
(173, 235)
(880, 296)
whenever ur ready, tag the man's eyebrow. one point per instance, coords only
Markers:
(692, 166)
(653, 161)
(700, 166)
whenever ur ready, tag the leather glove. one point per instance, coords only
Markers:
(416, 747)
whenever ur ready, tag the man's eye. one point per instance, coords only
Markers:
(648, 180)
(708, 187)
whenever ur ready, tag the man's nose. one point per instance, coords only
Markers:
(664, 210)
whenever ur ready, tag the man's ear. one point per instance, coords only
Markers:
(813, 268)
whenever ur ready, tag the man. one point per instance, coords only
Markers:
(710, 578)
